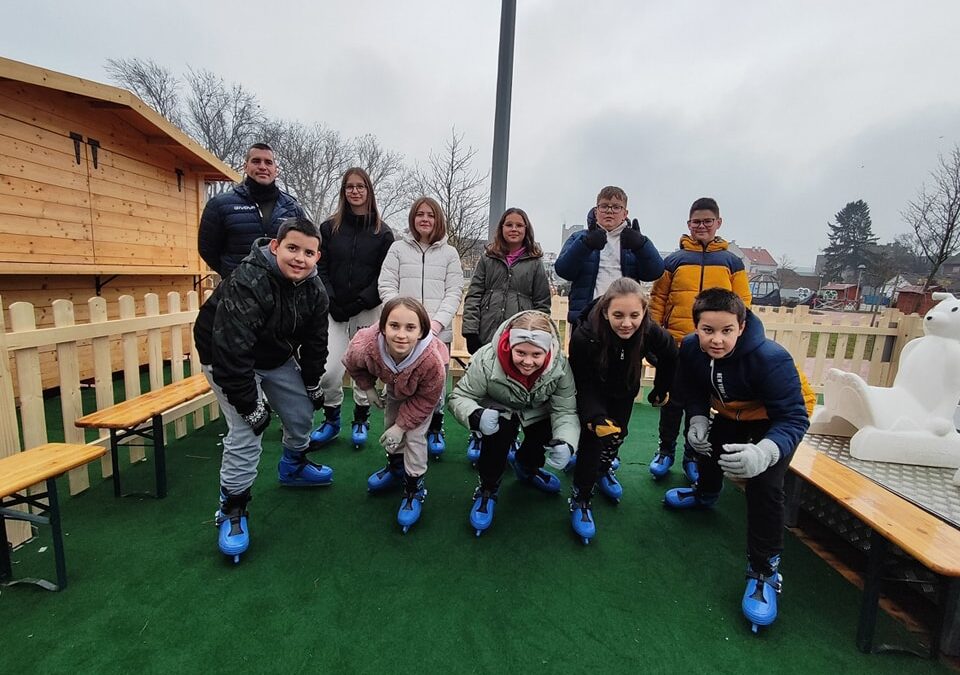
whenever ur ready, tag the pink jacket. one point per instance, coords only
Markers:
(418, 387)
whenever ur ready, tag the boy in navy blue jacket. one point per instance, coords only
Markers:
(762, 406)
(611, 247)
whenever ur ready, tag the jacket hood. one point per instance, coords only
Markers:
(688, 243)
(752, 337)
(410, 238)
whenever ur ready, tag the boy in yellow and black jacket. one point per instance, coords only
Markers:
(703, 261)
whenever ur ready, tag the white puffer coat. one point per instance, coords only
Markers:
(432, 275)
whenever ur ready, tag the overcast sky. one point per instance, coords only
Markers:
(782, 111)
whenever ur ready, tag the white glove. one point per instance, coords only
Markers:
(746, 460)
(489, 421)
(699, 434)
(392, 438)
(373, 397)
(557, 454)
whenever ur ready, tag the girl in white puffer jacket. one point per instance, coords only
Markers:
(422, 265)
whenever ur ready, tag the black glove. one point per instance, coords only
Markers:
(473, 342)
(609, 432)
(632, 239)
(658, 397)
(596, 239)
(315, 394)
(259, 419)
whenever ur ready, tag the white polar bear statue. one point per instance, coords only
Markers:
(912, 421)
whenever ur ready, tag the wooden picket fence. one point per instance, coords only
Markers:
(92, 342)
(866, 344)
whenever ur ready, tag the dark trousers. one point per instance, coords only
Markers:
(764, 492)
(592, 459)
(670, 416)
(494, 449)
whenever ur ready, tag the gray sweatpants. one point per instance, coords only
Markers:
(284, 390)
(414, 445)
(339, 334)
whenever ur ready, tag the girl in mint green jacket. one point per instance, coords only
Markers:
(521, 379)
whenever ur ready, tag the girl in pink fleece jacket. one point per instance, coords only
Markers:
(403, 353)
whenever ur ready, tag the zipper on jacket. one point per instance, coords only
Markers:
(703, 265)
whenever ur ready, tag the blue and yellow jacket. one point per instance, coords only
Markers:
(687, 272)
(758, 380)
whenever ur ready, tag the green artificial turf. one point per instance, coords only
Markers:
(331, 585)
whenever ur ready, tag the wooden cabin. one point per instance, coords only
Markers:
(99, 195)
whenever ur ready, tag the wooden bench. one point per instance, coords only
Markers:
(23, 469)
(129, 417)
(929, 540)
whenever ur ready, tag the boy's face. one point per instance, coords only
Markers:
(718, 333)
(610, 213)
(703, 225)
(297, 255)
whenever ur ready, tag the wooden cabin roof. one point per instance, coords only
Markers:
(154, 126)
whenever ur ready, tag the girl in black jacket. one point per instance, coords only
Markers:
(607, 349)
(355, 242)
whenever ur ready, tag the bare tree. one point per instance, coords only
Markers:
(785, 266)
(154, 84)
(388, 173)
(450, 178)
(224, 117)
(311, 160)
(935, 214)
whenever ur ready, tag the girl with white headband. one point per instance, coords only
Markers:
(520, 379)
(607, 348)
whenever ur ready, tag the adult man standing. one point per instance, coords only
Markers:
(232, 221)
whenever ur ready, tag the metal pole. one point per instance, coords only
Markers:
(501, 122)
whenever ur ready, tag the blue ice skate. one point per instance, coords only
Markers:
(327, 431)
(481, 513)
(760, 597)
(412, 503)
(660, 465)
(691, 470)
(389, 476)
(581, 516)
(689, 498)
(233, 537)
(541, 479)
(610, 486)
(296, 470)
(436, 444)
(473, 447)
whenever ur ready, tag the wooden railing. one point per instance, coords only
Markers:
(93, 340)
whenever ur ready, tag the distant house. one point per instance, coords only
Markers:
(755, 260)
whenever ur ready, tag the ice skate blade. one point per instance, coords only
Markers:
(479, 532)
(586, 541)
(236, 559)
(755, 628)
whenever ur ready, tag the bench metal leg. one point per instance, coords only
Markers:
(871, 593)
(54, 515)
(52, 518)
(6, 569)
(115, 458)
(159, 457)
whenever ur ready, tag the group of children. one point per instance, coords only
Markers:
(263, 340)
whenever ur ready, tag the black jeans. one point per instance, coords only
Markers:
(494, 449)
(670, 416)
(765, 509)
(592, 461)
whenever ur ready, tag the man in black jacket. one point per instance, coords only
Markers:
(231, 222)
(262, 339)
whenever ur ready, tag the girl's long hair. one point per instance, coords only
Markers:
(372, 216)
(498, 246)
(608, 339)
